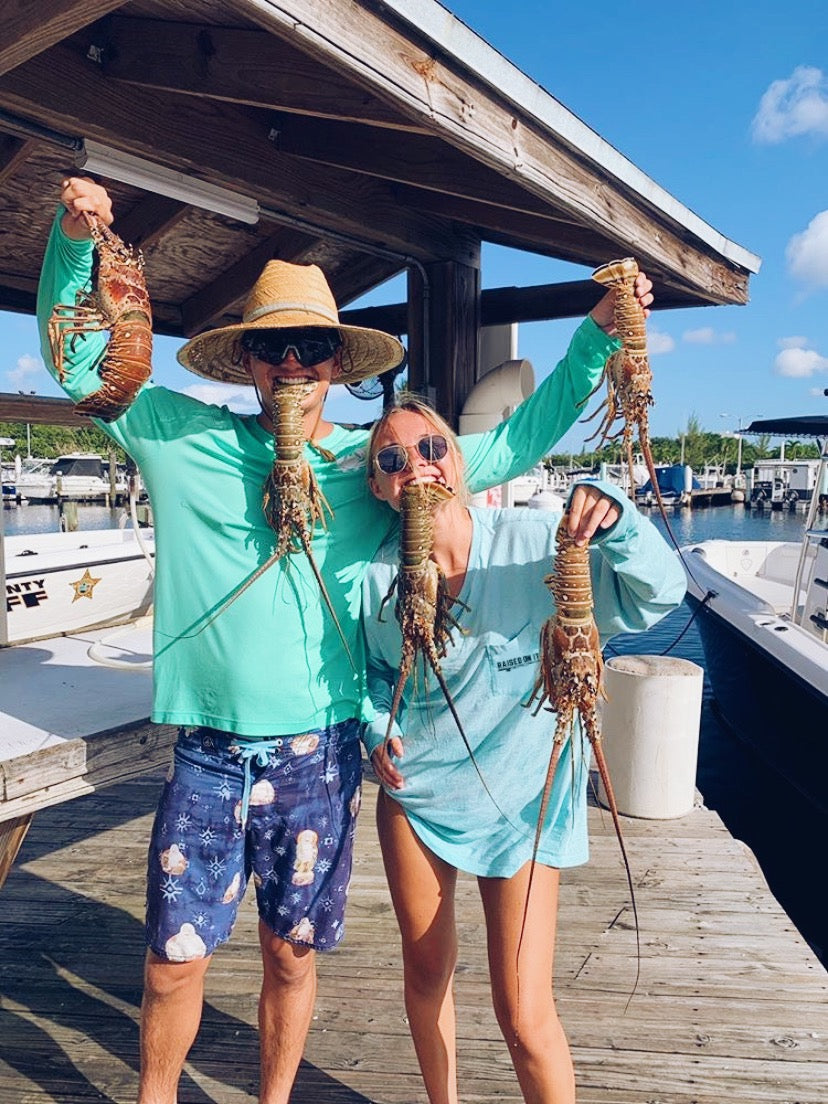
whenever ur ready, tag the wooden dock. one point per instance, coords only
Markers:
(732, 1005)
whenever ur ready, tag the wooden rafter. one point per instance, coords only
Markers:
(234, 65)
(428, 88)
(228, 144)
(222, 294)
(14, 152)
(28, 27)
(150, 220)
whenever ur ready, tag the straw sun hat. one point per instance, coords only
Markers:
(286, 296)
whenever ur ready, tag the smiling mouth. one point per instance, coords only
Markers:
(306, 382)
(428, 479)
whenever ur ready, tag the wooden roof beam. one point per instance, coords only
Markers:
(235, 65)
(14, 152)
(219, 297)
(27, 29)
(422, 161)
(542, 234)
(149, 220)
(502, 306)
(432, 88)
(41, 410)
(228, 146)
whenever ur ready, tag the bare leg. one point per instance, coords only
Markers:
(285, 1010)
(422, 889)
(170, 1015)
(525, 1008)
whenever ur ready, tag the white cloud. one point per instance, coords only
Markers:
(798, 362)
(807, 252)
(27, 366)
(659, 343)
(792, 342)
(704, 336)
(240, 399)
(798, 105)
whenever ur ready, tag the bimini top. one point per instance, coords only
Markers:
(809, 425)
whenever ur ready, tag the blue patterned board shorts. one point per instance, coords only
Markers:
(291, 827)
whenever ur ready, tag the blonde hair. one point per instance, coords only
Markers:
(412, 403)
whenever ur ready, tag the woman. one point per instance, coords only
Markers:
(436, 814)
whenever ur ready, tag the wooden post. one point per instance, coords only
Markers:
(443, 332)
(69, 516)
(12, 834)
(113, 480)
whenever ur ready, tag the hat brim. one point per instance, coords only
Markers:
(217, 354)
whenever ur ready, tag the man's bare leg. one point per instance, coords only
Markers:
(285, 1011)
(170, 1015)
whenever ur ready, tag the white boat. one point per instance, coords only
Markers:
(762, 613)
(524, 486)
(539, 480)
(78, 475)
(58, 583)
(783, 484)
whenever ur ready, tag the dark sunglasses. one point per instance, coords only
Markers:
(310, 347)
(394, 458)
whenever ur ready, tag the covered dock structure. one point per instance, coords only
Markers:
(370, 138)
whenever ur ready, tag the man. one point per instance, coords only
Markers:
(267, 767)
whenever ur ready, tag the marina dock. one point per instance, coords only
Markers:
(731, 1005)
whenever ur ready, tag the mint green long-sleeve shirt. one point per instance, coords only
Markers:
(272, 662)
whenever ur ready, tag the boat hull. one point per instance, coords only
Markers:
(60, 583)
(769, 679)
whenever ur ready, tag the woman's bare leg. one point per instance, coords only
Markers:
(422, 890)
(522, 988)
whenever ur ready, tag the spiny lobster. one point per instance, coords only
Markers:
(627, 371)
(120, 304)
(423, 606)
(292, 500)
(570, 676)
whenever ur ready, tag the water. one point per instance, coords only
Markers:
(781, 829)
(756, 807)
(46, 519)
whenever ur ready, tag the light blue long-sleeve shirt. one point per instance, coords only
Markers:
(487, 826)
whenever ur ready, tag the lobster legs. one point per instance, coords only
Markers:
(570, 675)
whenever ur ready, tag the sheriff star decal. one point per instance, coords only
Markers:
(84, 586)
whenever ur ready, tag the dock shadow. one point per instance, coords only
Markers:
(71, 985)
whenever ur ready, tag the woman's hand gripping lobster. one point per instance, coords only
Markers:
(119, 303)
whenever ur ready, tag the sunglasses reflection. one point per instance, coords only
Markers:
(394, 458)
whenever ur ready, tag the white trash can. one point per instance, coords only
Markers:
(650, 728)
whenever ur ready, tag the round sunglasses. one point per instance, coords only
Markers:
(394, 458)
(309, 347)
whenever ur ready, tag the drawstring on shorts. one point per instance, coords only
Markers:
(246, 751)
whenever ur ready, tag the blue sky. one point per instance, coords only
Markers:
(724, 105)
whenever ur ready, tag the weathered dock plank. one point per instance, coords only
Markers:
(731, 1003)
